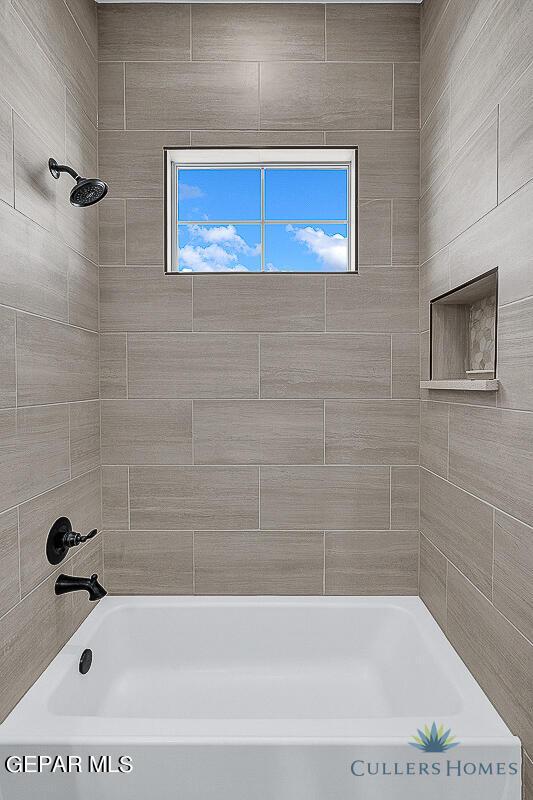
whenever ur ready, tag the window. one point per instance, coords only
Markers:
(261, 210)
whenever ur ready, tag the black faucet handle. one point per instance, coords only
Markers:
(77, 538)
(61, 538)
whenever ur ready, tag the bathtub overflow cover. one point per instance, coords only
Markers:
(85, 661)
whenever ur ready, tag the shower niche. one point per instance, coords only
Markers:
(463, 326)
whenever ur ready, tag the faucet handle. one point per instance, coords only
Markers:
(73, 539)
(61, 538)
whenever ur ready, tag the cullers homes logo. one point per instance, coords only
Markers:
(433, 739)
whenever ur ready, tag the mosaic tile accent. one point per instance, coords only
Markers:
(482, 332)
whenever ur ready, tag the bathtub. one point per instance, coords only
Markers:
(193, 698)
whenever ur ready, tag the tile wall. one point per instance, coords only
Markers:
(49, 394)
(476, 206)
(259, 432)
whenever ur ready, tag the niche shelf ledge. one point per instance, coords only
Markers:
(462, 385)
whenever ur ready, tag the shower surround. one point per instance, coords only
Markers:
(259, 432)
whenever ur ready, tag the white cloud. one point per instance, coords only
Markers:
(330, 249)
(226, 235)
(189, 192)
(215, 249)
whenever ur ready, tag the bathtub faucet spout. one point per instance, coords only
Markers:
(71, 583)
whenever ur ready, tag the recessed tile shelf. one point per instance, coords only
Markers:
(463, 337)
(462, 385)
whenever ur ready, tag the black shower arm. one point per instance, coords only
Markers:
(55, 167)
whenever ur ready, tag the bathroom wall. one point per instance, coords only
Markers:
(476, 209)
(49, 416)
(259, 433)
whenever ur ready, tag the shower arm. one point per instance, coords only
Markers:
(56, 169)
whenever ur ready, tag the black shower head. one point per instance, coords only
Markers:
(87, 190)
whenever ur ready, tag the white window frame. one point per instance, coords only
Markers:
(311, 157)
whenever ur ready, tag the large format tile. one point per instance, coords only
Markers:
(434, 437)
(332, 365)
(115, 498)
(264, 562)
(82, 292)
(528, 777)
(463, 193)
(500, 658)
(386, 32)
(257, 139)
(372, 562)
(6, 154)
(144, 299)
(516, 136)
(111, 79)
(405, 365)
(376, 300)
(34, 267)
(200, 498)
(430, 15)
(515, 355)
(435, 142)
(405, 498)
(372, 431)
(145, 232)
(171, 96)
(146, 431)
(460, 526)
(434, 281)
(85, 15)
(458, 28)
(258, 32)
(258, 303)
(79, 500)
(406, 92)
(58, 35)
(8, 372)
(375, 230)
(503, 239)
(513, 567)
(113, 366)
(491, 455)
(148, 562)
(347, 498)
(193, 365)
(84, 437)
(500, 55)
(144, 32)
(404, 232)
(34, 455)
(30, 84)
(56, 363)
(9, 561)
(337, 96)
(433, 570)
(258, 432)
(26, 651)
(388, 161)
(118, 151)
(112, 231)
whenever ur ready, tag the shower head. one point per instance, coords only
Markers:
(87, 190)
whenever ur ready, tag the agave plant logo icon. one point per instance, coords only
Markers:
(434, 740)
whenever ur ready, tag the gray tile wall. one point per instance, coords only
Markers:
(477, 451)
(259, 433)
(49, 397)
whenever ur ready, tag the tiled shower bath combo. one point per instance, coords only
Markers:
(308, 496)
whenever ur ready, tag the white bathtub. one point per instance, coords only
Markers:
(257, 699)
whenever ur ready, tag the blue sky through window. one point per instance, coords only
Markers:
(296, 199)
